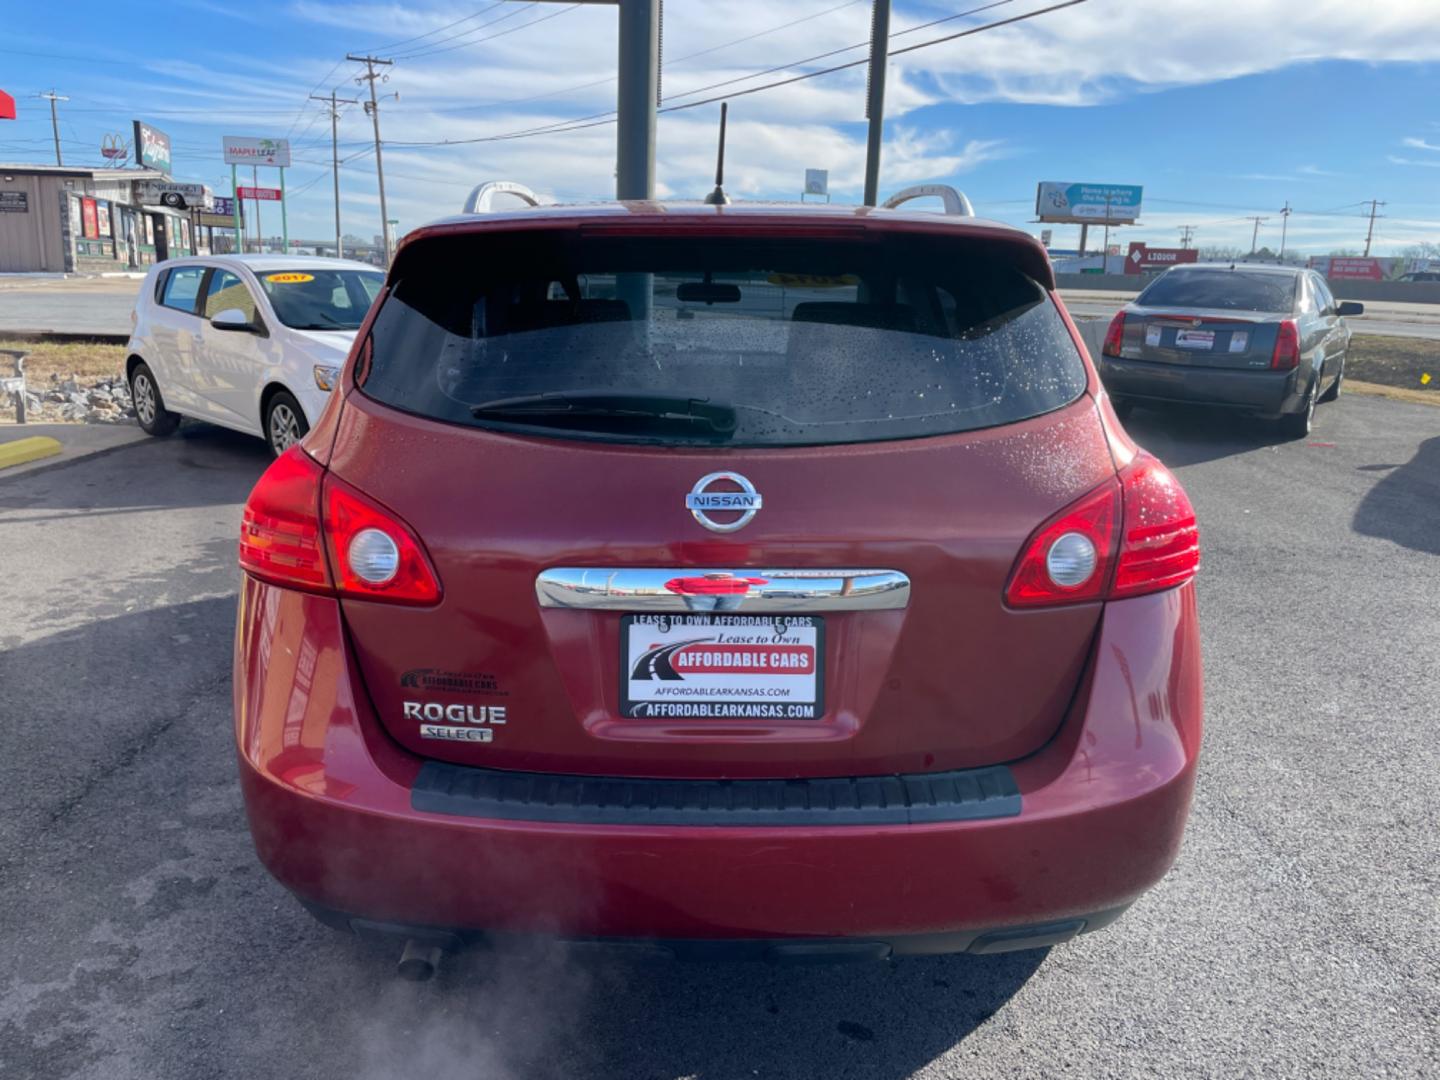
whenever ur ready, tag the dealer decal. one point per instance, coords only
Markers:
(714, 666)
(289, 278)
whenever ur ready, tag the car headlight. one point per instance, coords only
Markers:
(326, 376)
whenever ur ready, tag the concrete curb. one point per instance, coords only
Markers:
(29, 449)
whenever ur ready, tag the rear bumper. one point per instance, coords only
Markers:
(329, 798)
(1256, 391)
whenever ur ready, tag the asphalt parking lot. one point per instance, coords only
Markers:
(1298, 935)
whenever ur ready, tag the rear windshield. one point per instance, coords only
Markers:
(1232, 290)
(735, 340)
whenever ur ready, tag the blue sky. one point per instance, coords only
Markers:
(1222, 109)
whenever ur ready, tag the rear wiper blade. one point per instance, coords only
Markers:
(699, 411)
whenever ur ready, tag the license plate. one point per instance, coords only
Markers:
(1194, 339)
(722, 667)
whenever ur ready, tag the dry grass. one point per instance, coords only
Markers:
(1396, 362)
(84, 359)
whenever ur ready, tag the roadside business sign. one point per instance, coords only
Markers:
(91, 227)
(152, 147)
(1141, 259)
(817, 181)
(7, 106)
(244, 151)
(14, 202)
(1087, 204)
(1352, 268)
(1046, 235)
(224, 205)
(175, 196)
(263, 194)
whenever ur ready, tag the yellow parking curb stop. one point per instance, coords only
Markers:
(32, 449)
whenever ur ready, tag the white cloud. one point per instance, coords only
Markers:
(1419, 144)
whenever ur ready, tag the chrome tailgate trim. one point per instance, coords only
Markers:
(598, 588)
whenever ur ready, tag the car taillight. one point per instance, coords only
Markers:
(1287, 347)
(280, 529)
(1080, 555)
(1160, 540)
(1114, 336)
(351, 547)
(1052, 567)
(374, 553)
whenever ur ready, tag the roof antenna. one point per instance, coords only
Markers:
(718, 196)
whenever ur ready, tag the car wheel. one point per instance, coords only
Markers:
(1123, 407)
(149, 406)
(285, 423)
(1333, 394)
(1298, 425)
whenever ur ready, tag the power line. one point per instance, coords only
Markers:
(439, 29)
(596, 121)
(492, 37)
(373, 108)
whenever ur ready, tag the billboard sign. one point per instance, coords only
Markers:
(224, 205)
(152, 147)
(242, 151)
(1087, 204)
(7, 106)
(175, 196)
(817, 181)
(1143, 260)
(1352, 268)
(263, 194)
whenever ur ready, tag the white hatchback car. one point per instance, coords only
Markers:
(250, 342)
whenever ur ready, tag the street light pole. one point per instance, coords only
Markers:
(637, 99)
(875, 97)
(373, 108)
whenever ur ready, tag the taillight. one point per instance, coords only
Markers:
(1114, 336)
(1053, 568)
(1287, 347)
(353, 547)
(1160, 541)
(280, 530)
(1079, 555)
(374, 553)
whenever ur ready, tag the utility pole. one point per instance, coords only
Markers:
(637, 99)
(335, 104)
(1255, 235)
(373, 108)
(1370, 234)
(1285, 212)
(875, 96)
(1187, 233)
(55, 121)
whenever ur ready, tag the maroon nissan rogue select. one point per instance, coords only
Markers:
(759, 580)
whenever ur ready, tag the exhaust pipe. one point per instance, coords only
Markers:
(419, 961)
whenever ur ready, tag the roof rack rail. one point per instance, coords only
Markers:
(480, 199)
(955, 201)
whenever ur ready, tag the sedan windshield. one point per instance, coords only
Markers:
(1230, 290)
(321, 299)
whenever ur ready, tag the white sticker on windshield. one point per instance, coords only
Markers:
(1239, 341)
(1152, 335)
